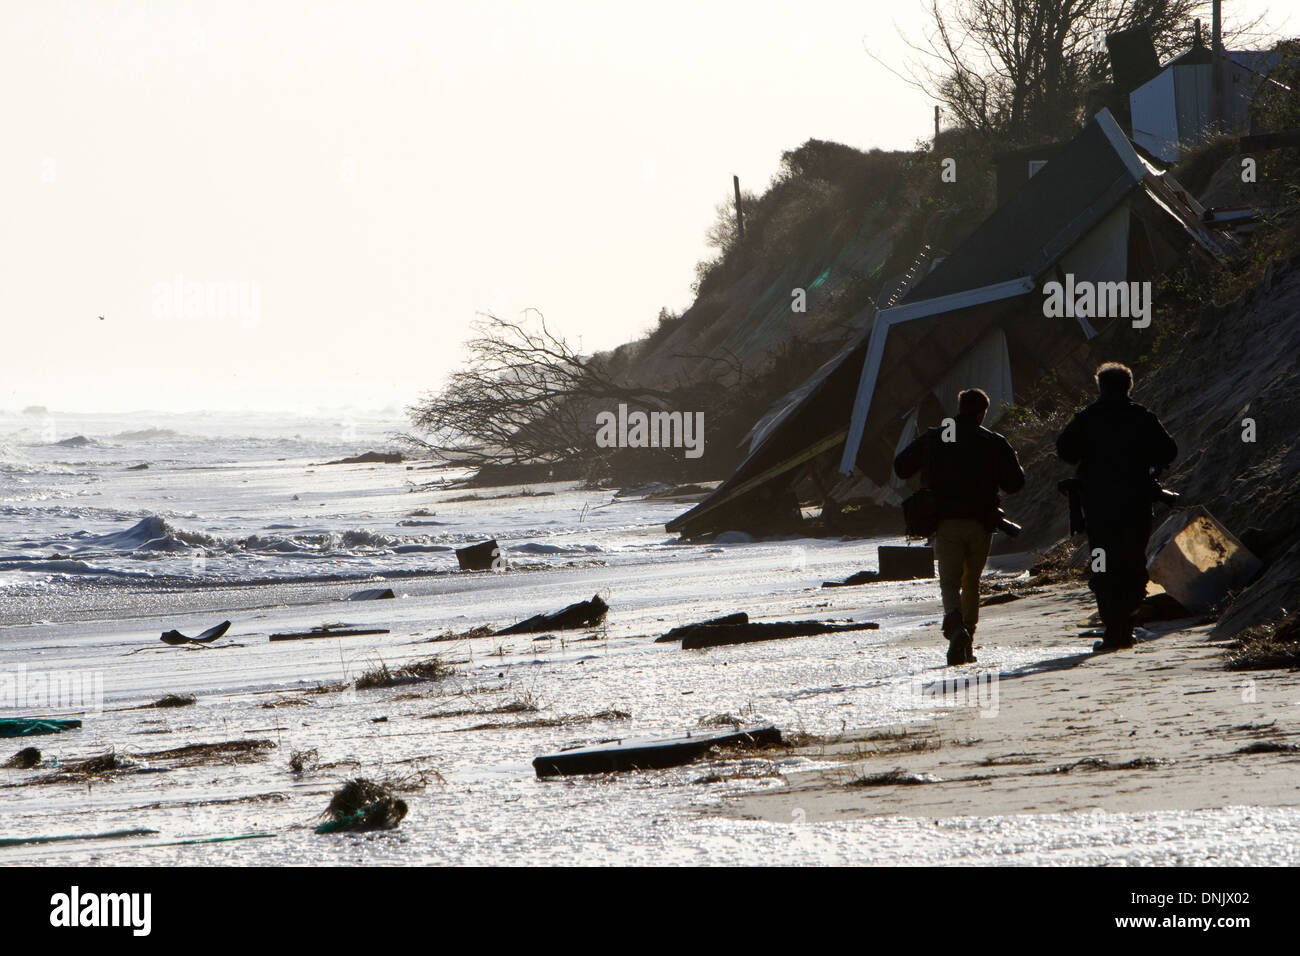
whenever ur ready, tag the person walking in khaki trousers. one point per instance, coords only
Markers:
(964, 465)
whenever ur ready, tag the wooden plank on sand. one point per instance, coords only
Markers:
(649, 753)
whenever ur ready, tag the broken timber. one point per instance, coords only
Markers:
(649, 753)
(583, 614)
(677, 633)
(328, 632)
(717, 635)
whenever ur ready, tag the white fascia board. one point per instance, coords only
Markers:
(887, 319)
(1120, 143)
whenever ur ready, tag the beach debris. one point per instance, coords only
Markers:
(526, 704)
(717, 635)
(328, 630)
(521, 493)
(1197, 560)
(360, 805)
(372, 594)
(219, 752)
(100, 765)
(650, 753)
(1265, 646)
(721, 720)
(35, 726)
(25, 759)
(564, 720)
(904, 564)
(175, 700)
(303, 760)
(862, 577)
(371, 458)
(677, 633)
(414, 672)
(113, 763)
(1160, 607)
(1269, 747)
(479, 557)
(207, 637)
(1102, 763)
(583, 614)
(1007, 596)
(285, 702)
(108, 835)
(482, 630)
(895, 777)
(741, 770)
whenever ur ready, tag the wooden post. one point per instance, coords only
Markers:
(740, 218)
(936, 126)
(1216, 64)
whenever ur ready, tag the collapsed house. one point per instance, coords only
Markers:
(1095, 213)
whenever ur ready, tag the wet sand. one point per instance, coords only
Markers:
(1162, 727)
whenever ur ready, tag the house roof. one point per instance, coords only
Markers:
(982, 283)
(1068, 196)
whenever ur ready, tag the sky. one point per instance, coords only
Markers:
(302, 205)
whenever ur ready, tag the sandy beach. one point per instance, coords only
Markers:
(243, 772)
(1160, 728)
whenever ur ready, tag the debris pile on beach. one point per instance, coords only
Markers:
(413, 672)
(361, 805)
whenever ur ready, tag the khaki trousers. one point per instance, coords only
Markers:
(961, 546)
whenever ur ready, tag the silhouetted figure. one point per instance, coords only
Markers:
(1120, 449)
(964, 465)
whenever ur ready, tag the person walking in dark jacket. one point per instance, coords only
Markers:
(1120, 449)
(964, 465)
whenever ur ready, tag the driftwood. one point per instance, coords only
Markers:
(862, 577)
(716, 635)
(327, 631)
(649, 753)
(677, 633)
(583, 614)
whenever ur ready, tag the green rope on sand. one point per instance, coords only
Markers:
(110, 835)
(220, 839)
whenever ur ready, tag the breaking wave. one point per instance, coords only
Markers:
(154, 534)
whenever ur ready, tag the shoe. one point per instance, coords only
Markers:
(958, 652)
(1115, 640)
(958, 639)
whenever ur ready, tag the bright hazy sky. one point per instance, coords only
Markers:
(346, 184)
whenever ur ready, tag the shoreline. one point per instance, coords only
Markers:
(1162, 727)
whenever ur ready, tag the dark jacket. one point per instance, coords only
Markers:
(1116, 444)
(965, 474)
